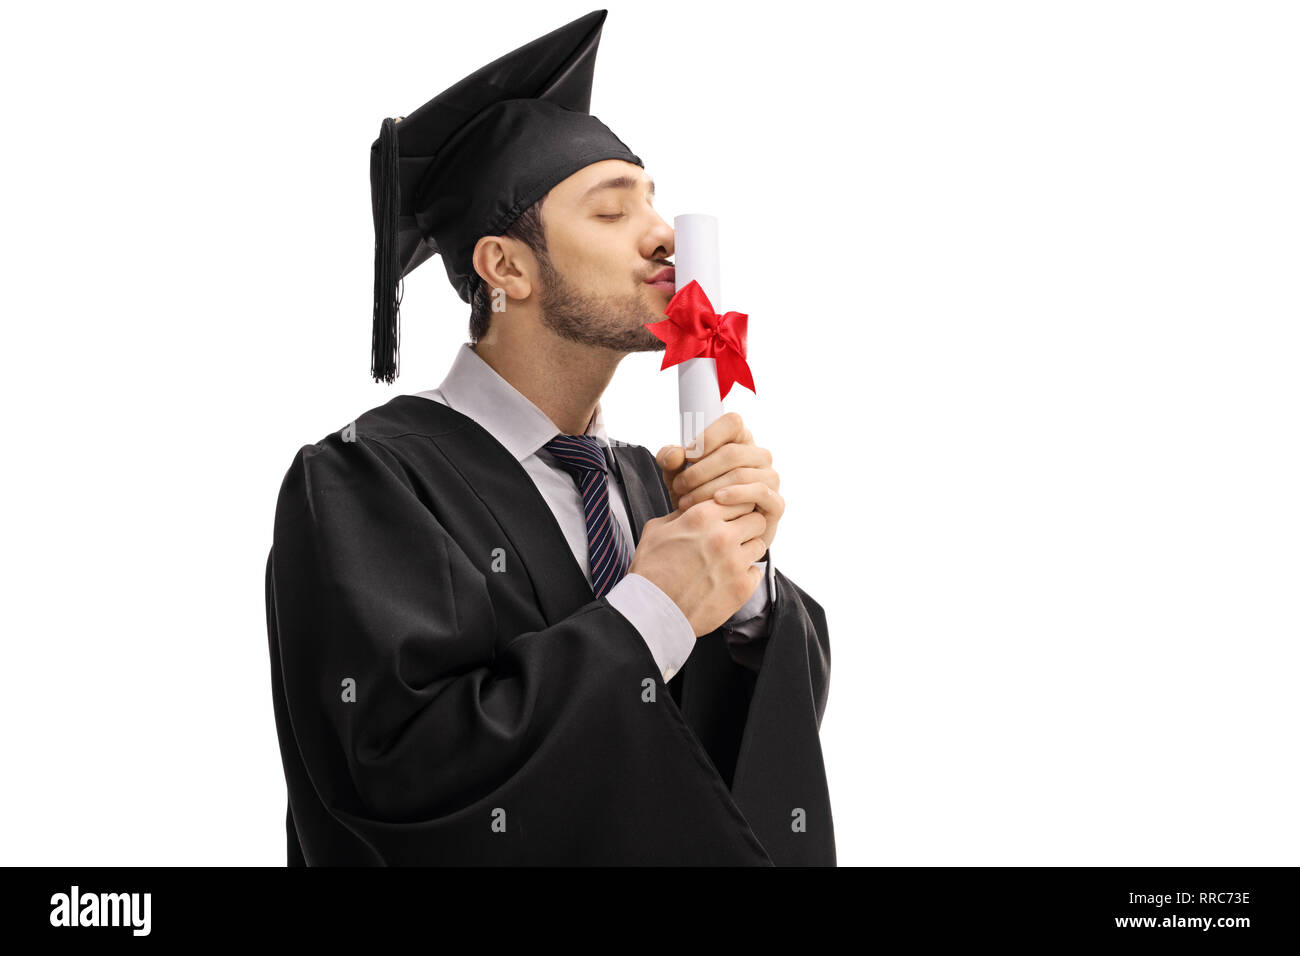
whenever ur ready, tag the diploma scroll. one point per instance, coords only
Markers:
(696, 248)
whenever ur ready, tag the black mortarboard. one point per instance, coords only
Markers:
(468, 162)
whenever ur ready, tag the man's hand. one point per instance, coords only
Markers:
(703, 559)
(724, 465)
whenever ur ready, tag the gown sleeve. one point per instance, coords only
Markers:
(746, 631)
(780, 770)
(412, 732)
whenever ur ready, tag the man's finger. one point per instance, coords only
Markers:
(730, 457)
(764, 497)
(713, 510)
(754, 549)
(730, 427)
(752, 525)
(736, 476)
(670, 457)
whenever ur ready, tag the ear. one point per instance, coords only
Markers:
(495, 260)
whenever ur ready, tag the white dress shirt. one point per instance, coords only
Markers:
(473, 388)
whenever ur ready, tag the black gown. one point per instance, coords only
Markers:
(448, 690)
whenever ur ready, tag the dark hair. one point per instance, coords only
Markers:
(528, 230)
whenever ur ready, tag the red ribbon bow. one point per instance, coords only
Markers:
(694, 330)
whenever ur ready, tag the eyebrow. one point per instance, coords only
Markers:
(618, 182)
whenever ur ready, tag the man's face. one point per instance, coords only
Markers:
(604, 240)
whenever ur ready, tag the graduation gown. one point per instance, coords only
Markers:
(448, 690)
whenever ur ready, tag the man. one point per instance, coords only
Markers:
(495, 636)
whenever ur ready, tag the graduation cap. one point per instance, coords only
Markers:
(467, 163)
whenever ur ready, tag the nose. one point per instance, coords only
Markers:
(659, 239)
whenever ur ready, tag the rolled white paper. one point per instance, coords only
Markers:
(696, 248)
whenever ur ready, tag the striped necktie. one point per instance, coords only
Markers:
(608, 549)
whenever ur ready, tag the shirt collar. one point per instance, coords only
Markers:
(474, 388)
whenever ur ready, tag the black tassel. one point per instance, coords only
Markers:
(388, 285)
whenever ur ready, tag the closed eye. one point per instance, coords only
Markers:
(611, 217)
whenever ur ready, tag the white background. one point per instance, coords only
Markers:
(1022, 286)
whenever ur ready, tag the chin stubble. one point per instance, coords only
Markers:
(599, 321)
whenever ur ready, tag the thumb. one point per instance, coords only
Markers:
(671, 457)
